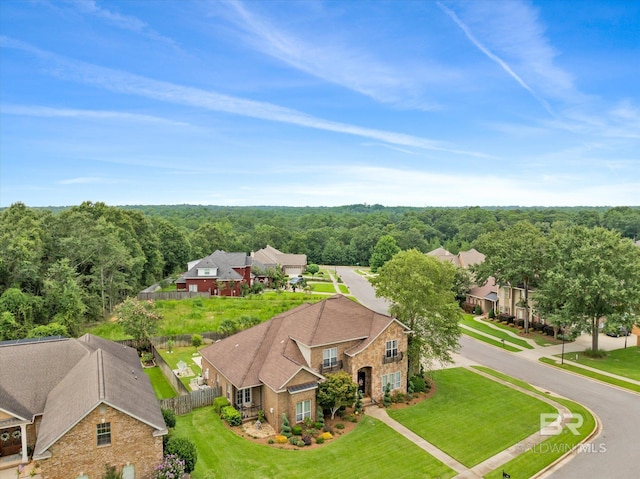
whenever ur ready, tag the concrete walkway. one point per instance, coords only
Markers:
(492, 463)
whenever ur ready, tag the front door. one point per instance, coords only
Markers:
(362, 382)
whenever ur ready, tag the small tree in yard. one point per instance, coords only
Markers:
(312, 269)
(285, 429)
(138, 318)
(196, 341)
(337, 391)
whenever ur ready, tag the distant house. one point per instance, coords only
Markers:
(221, 274)
(276, 366)
(75, 405)
(291, 264)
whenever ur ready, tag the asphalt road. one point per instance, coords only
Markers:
(614, 453)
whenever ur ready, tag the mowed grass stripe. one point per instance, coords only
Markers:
(371, 450)
(485, 328)
(472, 418)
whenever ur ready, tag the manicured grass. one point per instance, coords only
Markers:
(161, 386)
(343, 289)
(322, 287)
(185, 354)
(536, 458)
(490, 341)
(371, 450)
(593, 375)
(470, 322)
(623, 362)
(472, 418)
(198, 315)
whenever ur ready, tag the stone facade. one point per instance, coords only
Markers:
(77, 453)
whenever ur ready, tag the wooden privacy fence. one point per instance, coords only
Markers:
(146, 296)
(185, 404)
(182, 340)
(180, 388)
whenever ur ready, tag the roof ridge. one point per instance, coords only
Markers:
(319, 315)
(101, 379)
(257, 350)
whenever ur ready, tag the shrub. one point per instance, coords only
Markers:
(231, 415)
(418, 383)
(300, 443)
(397, 397)
(306, 439)
(320, 417)
(595, 354)
(111, 472)
(281, 439)
(477, 310)
(339, 426)
(293, 440)
(326, 436)
(196, 340)
(386, 400)
(219, 403)
(186, 451)
(296, 430)
(319, 440)
(492, 314)
(171, 467)
(285, 429)
(270, 441)
(318, 425)
(169, 417)
(327, 428)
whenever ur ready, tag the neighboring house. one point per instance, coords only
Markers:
(636, 330)
(463, 259)
(75, 405)
(511, 302)
(221, 274)
(276, 366)
(291, 264)
(485, 296)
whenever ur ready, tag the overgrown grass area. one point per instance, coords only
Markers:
(161, 386)
(199, 315)
(485, 328)
(537, 458)
(371, 450)
(472, 418)
(623, 362)
(593, 375)
(493, 342)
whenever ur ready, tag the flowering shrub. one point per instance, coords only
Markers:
(326, 435)
(172, 467)
(281, 439)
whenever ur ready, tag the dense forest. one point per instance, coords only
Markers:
(73, 265)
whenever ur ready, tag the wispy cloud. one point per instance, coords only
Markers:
(125, 22)
(332, 59)
(495, 57)
(48, 112)
(127, 83)
(83, 180)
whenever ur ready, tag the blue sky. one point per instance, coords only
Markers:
(297, 103)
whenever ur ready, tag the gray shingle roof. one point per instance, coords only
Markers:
(224, 263)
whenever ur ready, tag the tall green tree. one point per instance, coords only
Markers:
(138, 318)
(337, 391)
(590, 274)
(64, 296)
(383, 251)
(513, 257)
(420, 288)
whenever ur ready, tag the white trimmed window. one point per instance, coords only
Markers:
(303, 410)
(243, 396)
(103, 434)
(329, 357)
(391, 349)
(393, 380)
(193, 288)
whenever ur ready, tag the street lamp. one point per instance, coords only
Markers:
(562, 356)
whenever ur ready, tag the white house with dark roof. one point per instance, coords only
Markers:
(77, 404)
(276, 366)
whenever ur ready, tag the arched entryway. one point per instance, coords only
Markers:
(364, 381)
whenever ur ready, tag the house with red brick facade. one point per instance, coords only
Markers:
(221, 274)
(74, 405)
(277, 365)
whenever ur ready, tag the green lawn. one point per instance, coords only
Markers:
(538, 337)
(322, 287)
(472, 418)
(185, 354)
(585, 372)
(371, 450)
(161, 386)
(198, 315)
(493, 342)
(478, 326)
(623, 362)
(343, 289)
(535, 459)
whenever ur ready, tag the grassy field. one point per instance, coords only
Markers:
(371, 450)
(161, 386)
(535, 459)
(623, 362)
(472, 418)
(200, 315)
(485, 328)
(593, 375)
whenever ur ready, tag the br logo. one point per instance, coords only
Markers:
(551, 423)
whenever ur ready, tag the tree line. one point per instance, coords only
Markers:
(63, 267)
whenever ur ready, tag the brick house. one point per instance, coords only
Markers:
(276, 366)
(291, 264)
(221, 274)
(75, 405)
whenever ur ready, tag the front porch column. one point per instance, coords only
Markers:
(23, 436)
